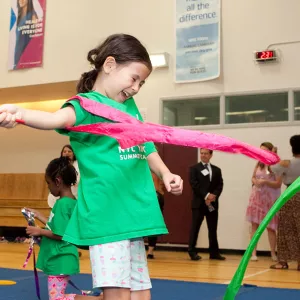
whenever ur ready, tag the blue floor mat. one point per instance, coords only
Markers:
(162, 289)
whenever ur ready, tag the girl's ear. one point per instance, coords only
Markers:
(57, 181)
(109, 65)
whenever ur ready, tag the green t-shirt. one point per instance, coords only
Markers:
(59, 257)
(116, 194)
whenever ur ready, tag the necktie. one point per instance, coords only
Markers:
(206, 167)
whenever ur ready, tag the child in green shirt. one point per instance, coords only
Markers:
(117, 203)
(57, 258)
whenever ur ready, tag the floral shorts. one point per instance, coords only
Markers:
(120, 264)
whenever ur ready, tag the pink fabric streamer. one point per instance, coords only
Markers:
(130, 132)
(30, 250)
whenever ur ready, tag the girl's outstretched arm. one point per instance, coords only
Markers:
(9, 114)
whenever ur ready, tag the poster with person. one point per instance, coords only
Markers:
(26, 37)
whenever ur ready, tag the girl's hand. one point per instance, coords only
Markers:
(8, 115)
(33, 231)
(37, 214)
(173, 183)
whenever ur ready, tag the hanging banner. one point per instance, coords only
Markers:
(197, 40)
(26, 36)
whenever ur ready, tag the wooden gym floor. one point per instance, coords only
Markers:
(178, 266)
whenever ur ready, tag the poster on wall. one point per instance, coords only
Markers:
(197, 40)
(26, 36)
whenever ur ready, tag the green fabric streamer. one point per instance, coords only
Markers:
(237, 279)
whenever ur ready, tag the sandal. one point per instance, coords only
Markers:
(281, 265)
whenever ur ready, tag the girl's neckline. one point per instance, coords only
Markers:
(66, 197)
(111, 100)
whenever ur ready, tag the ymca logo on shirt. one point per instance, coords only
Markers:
(136, 152)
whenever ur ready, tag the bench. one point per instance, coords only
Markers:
(20, 190)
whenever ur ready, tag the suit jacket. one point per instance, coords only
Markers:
(202, 185)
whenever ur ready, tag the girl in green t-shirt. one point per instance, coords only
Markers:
(117, 204)
(57, 258)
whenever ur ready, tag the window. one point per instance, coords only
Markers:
(256, 108)
(297, 106)
(191, 112)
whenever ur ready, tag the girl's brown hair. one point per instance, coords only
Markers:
(123, 48)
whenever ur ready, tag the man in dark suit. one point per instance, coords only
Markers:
(207, 184)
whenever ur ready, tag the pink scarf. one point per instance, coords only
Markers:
(130, 132)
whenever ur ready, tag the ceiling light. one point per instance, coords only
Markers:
(248, 112)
